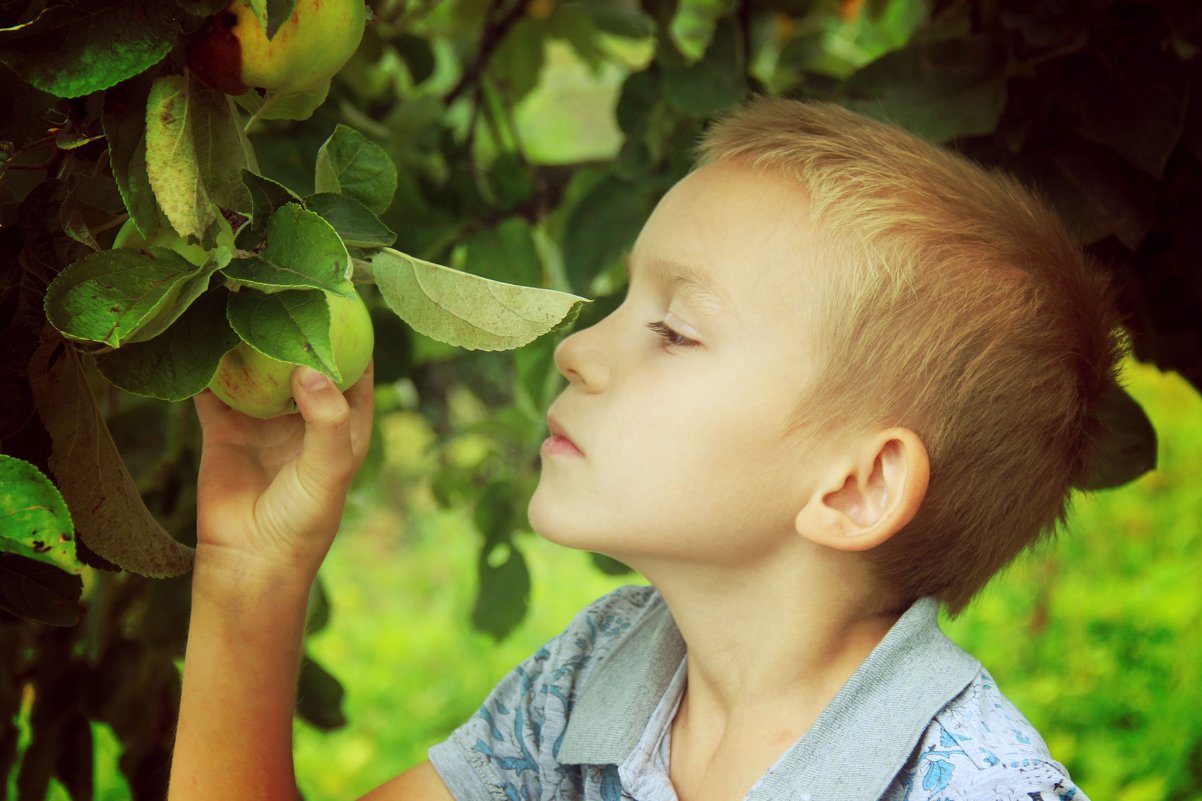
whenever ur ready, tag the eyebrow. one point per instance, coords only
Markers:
(689, 279)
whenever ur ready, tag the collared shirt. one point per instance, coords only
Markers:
(588, 718)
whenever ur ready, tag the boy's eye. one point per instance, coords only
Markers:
(670, 336)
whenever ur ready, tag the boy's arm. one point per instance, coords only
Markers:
(270, 495)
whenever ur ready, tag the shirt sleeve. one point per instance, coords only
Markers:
(507, 750)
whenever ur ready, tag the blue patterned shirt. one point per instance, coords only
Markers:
(588, 718)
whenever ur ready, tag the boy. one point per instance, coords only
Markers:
(872, 374)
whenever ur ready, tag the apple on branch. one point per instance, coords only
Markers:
(232, 53)
(260, 386)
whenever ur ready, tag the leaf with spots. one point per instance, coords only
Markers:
(171, 159)
(34, 519)
(123, 295)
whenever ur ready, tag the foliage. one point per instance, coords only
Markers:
(421, 178)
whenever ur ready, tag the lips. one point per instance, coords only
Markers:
(560, 431)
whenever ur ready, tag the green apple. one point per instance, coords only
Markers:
(260, 386)
(231, 51)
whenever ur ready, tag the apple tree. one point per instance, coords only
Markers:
(182, 180)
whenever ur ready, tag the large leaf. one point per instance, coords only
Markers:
(125, 130)
(349, 164)
(181, 361)
(466, 310)
(302, 251)
(715, 82)
(122, 295)
(939, 90)
(75, 47)
(110, 517)
(34, 519)
(222, 149)
(171, 158)
(292, 326)
(602, 226)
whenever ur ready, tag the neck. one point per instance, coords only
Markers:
(770, 642)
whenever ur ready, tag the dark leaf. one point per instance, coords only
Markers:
(601, 227)
(939, 90)
(181, 361)
(319, 697)
(39, 592)
(76, 47)
(504, 590)
(1126, 449)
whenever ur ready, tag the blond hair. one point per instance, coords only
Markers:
(951, 301)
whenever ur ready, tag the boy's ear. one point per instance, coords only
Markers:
(871, 495)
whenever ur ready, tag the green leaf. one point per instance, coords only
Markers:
(114, 295)
(34, 519)
(505, 253)
(181, 361)
(349, 164)
(124, 120)
(284, 105)
(291, 326)
(353, 221)
(77, 47)
(171, 159)
(1126, 449)
(939, 90)
(319, 697)
(518, 60)
(713, 83)
(602, 226)
(111, 519)
(302, 251)
(222, 149)
(38, 592)
(265, 197)
(417, 55)
(466, 310)
(277, 12)
(504, 590)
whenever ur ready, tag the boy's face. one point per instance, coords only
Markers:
(683, 452)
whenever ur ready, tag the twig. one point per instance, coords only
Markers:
(494, 32)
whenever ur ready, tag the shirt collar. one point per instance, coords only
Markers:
(854, 748)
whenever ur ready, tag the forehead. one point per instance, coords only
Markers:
(744, 231)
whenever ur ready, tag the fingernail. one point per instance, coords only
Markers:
(312, 380)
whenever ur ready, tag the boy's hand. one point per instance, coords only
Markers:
(270, 493)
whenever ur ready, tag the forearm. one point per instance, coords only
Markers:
(234, 738)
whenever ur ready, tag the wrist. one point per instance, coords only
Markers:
(241, 582)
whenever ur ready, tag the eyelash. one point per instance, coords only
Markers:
(671, 337)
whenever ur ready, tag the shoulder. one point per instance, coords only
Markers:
(980, 747)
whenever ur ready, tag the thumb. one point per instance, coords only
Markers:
(326, 457)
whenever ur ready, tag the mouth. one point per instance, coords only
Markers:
(559, 441)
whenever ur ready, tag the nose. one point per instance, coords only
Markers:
(579, 358)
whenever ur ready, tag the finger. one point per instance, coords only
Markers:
(361, 397)
(326, 459)
(210, 409)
